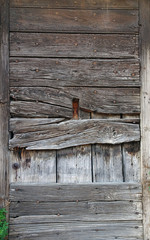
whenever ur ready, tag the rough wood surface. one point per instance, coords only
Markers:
(76, 133)
(72, 192)
(33, 166)
(131, 162)
(74, 45)
(145, 111)
(78, 230)
(107, 163)
(84, 4)
(74, 165)
(108, 100)
(62, 20)
(73, 72)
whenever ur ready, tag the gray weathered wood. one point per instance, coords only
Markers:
(107, 163)
(75, 192)
(85, 4)
(34, 166)
(73, 72)
(75, 211)
(132, 162)
(108, 100)
(74, 165)
(74, 45)
(60, 20)
(4, 79)
(145, 111)
(76, 133)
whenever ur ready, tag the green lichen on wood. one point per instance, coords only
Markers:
(3, 224)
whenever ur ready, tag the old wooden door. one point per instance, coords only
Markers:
(74, 126)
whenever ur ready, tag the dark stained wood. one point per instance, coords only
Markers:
(73, 72)
(84, 4)
(4, 79)
(74, 45)
(93, 21)
(76, 132)
(72, 192)
(108, 100)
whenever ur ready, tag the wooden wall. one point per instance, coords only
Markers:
(62, 52)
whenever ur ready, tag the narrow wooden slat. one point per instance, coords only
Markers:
(75, 192)
(33, 166)
(107, 163)
(72, 72)
(131, 162)
(74, 45)
(51, 20)
(84, 4)
(74, 165)
(108, 100)
(76, 133)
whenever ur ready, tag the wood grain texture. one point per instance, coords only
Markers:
(84, 4)
(145, 112)
(132, 162)
(107, 163)
(72, 192)
(76, 133)
(78, 230)
(74, 45)
(33, 166)
(108, 100)
(73, 72)
(62, 20)
(74, 165)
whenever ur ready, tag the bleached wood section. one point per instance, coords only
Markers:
(145, 110)
(33, 166)
(74, 165)
(75, 133)
(85, 4)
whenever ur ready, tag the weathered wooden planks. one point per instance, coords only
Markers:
(108, 100)
(62, 20)
(75, 133)
(84, 4)
(72, 192)
(32, 166)
(73, 72)
(74, 45)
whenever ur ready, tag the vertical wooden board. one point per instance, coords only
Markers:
(131, 162)
(107, 163)
(145, 110)
(33, 166)
(74, 165)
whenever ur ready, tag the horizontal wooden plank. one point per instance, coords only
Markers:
(74, 45)
(88, 21)
(84, 4)
(78, 230)
(75, 192)
(76, 211)
(102, 100)
(73, 72)
(75, 133)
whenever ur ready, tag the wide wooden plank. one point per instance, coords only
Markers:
(74, 45)
(62, 20)
(72, 72)
(78, 230)
(75, 211)
(75, 192)
(75, 133)
(32, 166)
(108, 100)
(107, 163)
(74, 165)
(84, 4)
